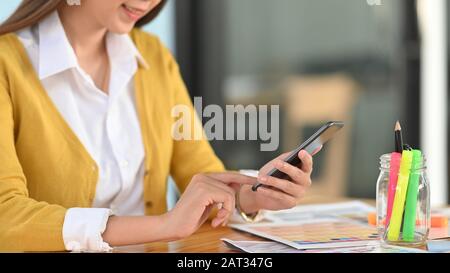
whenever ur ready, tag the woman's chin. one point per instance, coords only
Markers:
(121, 28)
(122, 24)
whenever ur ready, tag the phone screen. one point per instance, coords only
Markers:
(312, 144)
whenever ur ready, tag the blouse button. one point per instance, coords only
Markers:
(149, 204)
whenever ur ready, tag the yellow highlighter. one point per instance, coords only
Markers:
(400, 196)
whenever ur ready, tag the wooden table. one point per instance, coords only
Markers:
(207, 239)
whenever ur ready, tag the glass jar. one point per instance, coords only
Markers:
(405, 221)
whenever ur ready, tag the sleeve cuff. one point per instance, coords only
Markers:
(252, 173)
(83, 228)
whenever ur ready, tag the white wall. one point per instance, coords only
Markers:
(434, 108)
(7, 7)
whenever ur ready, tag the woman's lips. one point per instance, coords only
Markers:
(133, 13)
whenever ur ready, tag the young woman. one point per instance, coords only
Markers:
(85, 135)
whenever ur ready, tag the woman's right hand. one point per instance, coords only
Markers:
(204, 192)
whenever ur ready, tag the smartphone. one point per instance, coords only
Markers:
(318, 139)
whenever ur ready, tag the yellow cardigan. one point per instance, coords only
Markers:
(44, 168)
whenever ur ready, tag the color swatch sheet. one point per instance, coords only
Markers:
(314, 233)
(274, 247)
(355, 210)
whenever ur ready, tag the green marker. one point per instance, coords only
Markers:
(409, 223)
(398, 208)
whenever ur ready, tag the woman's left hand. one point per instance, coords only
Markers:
(280, 193)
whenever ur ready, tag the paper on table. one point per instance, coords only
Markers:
(442, 246)
(314, 233)
(274, 247)
(355, 210)
(260, 247)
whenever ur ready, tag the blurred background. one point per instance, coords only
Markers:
(367, 62)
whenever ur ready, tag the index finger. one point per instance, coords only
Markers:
(230, 177)
(307, 162)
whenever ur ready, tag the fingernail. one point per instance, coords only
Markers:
(222, 213)
(218, 222)
(263, 179)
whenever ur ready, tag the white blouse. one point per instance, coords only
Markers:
(106, 124)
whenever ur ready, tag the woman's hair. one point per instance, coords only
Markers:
(30, 12)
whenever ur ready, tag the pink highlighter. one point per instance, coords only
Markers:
(393, 177)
